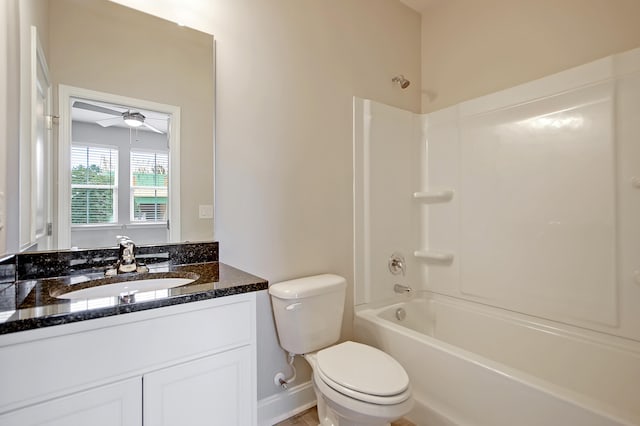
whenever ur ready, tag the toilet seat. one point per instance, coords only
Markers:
(363, 373)
(363, 397)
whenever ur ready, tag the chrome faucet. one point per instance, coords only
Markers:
(402, 289)
(126, 258)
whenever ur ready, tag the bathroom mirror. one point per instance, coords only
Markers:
(103, 47)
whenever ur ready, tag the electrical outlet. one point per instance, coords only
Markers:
(205, 211)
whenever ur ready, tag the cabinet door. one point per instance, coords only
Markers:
(216, 390)
(118, 404)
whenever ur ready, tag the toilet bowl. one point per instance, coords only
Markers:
(355, 384)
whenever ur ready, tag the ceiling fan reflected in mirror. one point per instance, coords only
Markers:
(131, 118)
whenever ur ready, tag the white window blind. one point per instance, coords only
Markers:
(94, 184)
(149, 186)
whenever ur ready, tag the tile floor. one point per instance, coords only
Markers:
(310, 418)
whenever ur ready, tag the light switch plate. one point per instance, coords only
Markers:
(205, 211)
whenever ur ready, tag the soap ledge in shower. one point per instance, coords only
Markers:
(434, 256)
(434, 196)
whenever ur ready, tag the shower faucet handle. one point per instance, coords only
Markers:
(397, 264)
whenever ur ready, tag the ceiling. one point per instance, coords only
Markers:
(421, 5)
(156, 119)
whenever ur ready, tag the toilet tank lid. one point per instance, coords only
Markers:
(308, 286)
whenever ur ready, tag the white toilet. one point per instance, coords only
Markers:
(355, 384)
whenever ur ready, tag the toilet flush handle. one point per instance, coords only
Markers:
(293, 306)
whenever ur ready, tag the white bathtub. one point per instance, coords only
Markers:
(472, 364)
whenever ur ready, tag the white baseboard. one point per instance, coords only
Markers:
(283, 405)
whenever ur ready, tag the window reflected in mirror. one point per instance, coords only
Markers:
(120, 171)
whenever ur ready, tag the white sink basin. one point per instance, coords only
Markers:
(105, 288)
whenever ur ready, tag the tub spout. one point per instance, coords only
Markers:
(402, 289)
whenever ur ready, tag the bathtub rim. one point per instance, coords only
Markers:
(569, 396)
(544, 325)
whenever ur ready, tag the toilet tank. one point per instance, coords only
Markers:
(308, 312)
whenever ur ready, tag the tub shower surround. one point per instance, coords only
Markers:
(517, 215)
(29, 281)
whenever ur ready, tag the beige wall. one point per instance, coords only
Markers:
(471, 48)
(98, 45)
(286, 74)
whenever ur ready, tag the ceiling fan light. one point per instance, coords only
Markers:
(134, 119)
(133, 122)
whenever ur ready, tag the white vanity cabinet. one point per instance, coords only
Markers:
(188, 364)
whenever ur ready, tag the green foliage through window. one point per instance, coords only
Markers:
(93, 184)
(91, 206)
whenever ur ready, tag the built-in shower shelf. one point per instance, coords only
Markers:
(434, 256)
(434, 196)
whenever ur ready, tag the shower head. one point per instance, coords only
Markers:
(403, 82)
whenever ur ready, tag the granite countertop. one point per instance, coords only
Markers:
(28, 304)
